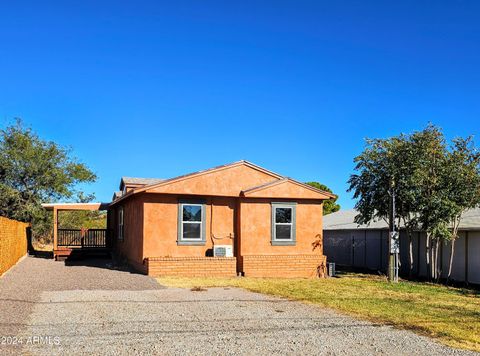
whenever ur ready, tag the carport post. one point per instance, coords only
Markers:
(55, 227)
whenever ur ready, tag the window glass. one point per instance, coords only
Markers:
(191, 221)
(283, 215)
(283, 232)
(192, 213)
(191, 231)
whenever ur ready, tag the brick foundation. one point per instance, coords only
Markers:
(290, 266)
(191, 266)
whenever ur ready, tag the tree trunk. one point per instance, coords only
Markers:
(450, 261)
(438, 267)
(432, 260)
(427, 255)
(410, 254)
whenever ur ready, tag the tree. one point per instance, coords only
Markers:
(78, 219)
(34, 171)
(329, 206)
(434, 185)
(433, 204)
(463, 186)
(384, 164)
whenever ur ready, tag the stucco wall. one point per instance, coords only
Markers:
(259, 258)
(285, 189)
(226, 182)
(131, 247)
(256, 227)
(248, 220)
(161, 226)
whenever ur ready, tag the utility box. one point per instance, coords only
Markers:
(331, 269)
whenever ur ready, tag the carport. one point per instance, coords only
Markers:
(67, 240)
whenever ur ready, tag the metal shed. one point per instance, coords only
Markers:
(365, 246)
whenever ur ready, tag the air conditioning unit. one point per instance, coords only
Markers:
(223, 251)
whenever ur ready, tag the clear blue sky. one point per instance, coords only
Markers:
(158, 89)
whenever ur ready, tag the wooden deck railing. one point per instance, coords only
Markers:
(69, 237)
(84, 238)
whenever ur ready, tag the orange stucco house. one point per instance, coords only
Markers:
(233, 219)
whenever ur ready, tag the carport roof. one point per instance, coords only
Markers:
(344, 220)
(76, 206)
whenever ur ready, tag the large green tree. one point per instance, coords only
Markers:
(463, 186)
(383, 169)
(329, 206)
(433, 183)
(433, 204)
(35, 171)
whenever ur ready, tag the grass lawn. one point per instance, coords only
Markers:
(450, 314)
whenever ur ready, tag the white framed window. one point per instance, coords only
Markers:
(120, 234)
(283, 223)
(191, 223)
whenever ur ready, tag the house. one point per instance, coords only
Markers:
(366, 246)
(234, 219)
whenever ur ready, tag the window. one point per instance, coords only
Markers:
(191, 228)
(120, 224)
(283, 223)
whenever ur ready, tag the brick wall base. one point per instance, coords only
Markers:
(13, 243)
(289, 266)
(191, 266)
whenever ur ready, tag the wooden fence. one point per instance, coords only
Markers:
(13, 242)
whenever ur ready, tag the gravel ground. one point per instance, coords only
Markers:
(23, 285)
(88, 310)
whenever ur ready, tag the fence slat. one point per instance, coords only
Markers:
(91, 238)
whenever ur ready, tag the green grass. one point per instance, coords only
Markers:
(450, 314)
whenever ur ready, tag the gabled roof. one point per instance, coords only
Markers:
(214, 169)
(287, 188)
(117, 195)
(135, 181)
(186, 184)
(344, 220)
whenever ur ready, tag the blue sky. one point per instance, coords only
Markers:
(158, 89)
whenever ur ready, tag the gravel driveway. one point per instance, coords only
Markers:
(89, 309)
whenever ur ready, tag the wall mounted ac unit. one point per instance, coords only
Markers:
(222, 251)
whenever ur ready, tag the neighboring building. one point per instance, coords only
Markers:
(366, 246)
(272, 224)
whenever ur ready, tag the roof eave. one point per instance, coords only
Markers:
(329, 195)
